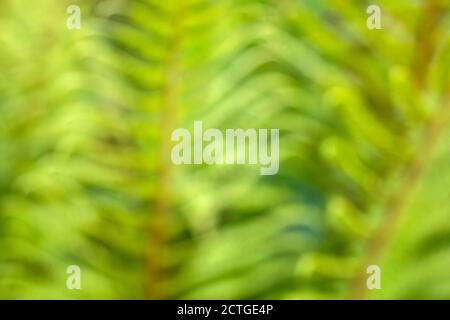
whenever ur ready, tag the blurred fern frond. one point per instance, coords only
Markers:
(86, 176)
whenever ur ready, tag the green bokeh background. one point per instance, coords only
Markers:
(85, 171)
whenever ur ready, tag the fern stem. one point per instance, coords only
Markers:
(160, 218)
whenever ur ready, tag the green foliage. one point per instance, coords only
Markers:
(85, 169)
